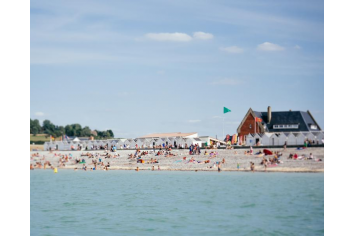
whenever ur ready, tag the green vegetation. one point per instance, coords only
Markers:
(42, 133)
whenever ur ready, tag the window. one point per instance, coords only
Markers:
(292, 126)
(313, 127)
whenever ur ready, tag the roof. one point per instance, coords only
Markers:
(303, 119)
(166, 135)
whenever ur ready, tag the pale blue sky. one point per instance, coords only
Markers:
(140, 67)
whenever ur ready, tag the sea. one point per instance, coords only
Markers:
(118, 202)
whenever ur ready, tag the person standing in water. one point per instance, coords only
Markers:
(137, 168)
(219, 167)
(153, 168)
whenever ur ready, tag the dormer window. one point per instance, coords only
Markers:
(291, 126)
(313, 127)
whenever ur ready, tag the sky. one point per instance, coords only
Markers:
(141, 67)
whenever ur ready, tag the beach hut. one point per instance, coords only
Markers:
(300, 138)
(250, 140)
(127, 143)
(282, 138)
(265, 139)
(273, 140)
(120, 143)
(310, 136)
(291, 139)
(319, 137)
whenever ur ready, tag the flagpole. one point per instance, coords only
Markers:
(255, 125)
(223, 127)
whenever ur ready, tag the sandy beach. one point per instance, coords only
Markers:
(179, 163)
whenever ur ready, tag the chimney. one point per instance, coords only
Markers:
(269, 114)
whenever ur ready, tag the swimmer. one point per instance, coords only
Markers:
(137, 169)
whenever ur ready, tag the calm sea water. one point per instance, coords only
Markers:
(176, 203)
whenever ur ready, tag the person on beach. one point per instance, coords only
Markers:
(265, 164)
(159, 168)
(310, 156)
(137, 169)
(153, 168)
(285, 145)
(223, 161)
(238, 166)
(252, 166)
(251, 150)
(219, 167)
(31, 167)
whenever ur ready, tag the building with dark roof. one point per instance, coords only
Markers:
(277, 122)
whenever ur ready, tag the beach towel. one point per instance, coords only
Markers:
(260, 155)
(178, 161)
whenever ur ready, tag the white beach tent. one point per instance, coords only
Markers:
(291, 139)
(274, 140)
(310, 136)
(300, 138)
(265, 138)
(250, 140)
(282, 138)
(120, 143)
(319, 137)
(171, 141)
(258, 138)
(127, 143)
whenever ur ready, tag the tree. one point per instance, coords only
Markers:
(48, 127)
(86, 132)
(110, 133)
(35, 127)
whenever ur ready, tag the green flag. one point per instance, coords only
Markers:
(226, 110)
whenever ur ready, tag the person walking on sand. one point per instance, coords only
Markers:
(285, 145)
(252, 167)
(251, 150)
(265, 164)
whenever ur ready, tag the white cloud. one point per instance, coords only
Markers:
(269, 47)
(39, 113)
(226, 82)
(175, 37)
(297, 47)
(202, 35)
(232, 49)
(194, 121)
